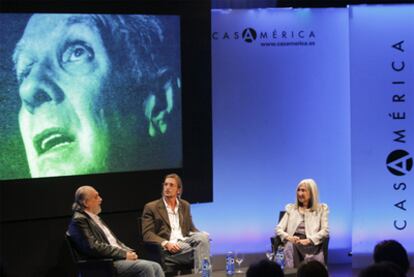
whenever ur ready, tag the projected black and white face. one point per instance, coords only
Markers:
(63, 69)
(87, 104)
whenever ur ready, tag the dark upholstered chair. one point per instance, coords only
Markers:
(276, 241)
(154, 252)
(89, 267)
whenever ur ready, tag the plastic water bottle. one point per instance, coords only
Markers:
(205, 268)
(230, 264)
(280, 257)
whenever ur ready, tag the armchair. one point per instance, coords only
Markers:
(154, 252)
(89, 267)
(276, 241)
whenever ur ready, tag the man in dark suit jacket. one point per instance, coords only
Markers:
(168, 222)
(94, 239)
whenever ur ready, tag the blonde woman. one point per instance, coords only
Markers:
(304, 226)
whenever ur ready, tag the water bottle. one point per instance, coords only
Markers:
(205, 268)
(280, 257)
(230, 264)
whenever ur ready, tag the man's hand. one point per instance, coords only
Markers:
(131, 256)
(172, 247)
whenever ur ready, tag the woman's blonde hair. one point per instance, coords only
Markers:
(311, 186)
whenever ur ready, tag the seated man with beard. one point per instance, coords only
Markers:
(94, 239)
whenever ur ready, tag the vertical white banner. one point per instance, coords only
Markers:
(382, 108)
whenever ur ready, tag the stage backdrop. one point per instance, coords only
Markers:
(281, 113)
(382, 93)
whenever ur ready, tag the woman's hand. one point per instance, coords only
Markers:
(293, 239)
(304, 241)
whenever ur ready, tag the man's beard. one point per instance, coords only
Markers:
(97, 210)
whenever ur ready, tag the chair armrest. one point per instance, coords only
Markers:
(153, 251)
(275, 242)
(96, 267)
(96, 261)
(325, 249)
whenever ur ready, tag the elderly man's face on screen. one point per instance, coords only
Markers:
(62, 68)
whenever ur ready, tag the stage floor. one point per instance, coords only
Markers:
(335, 270)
